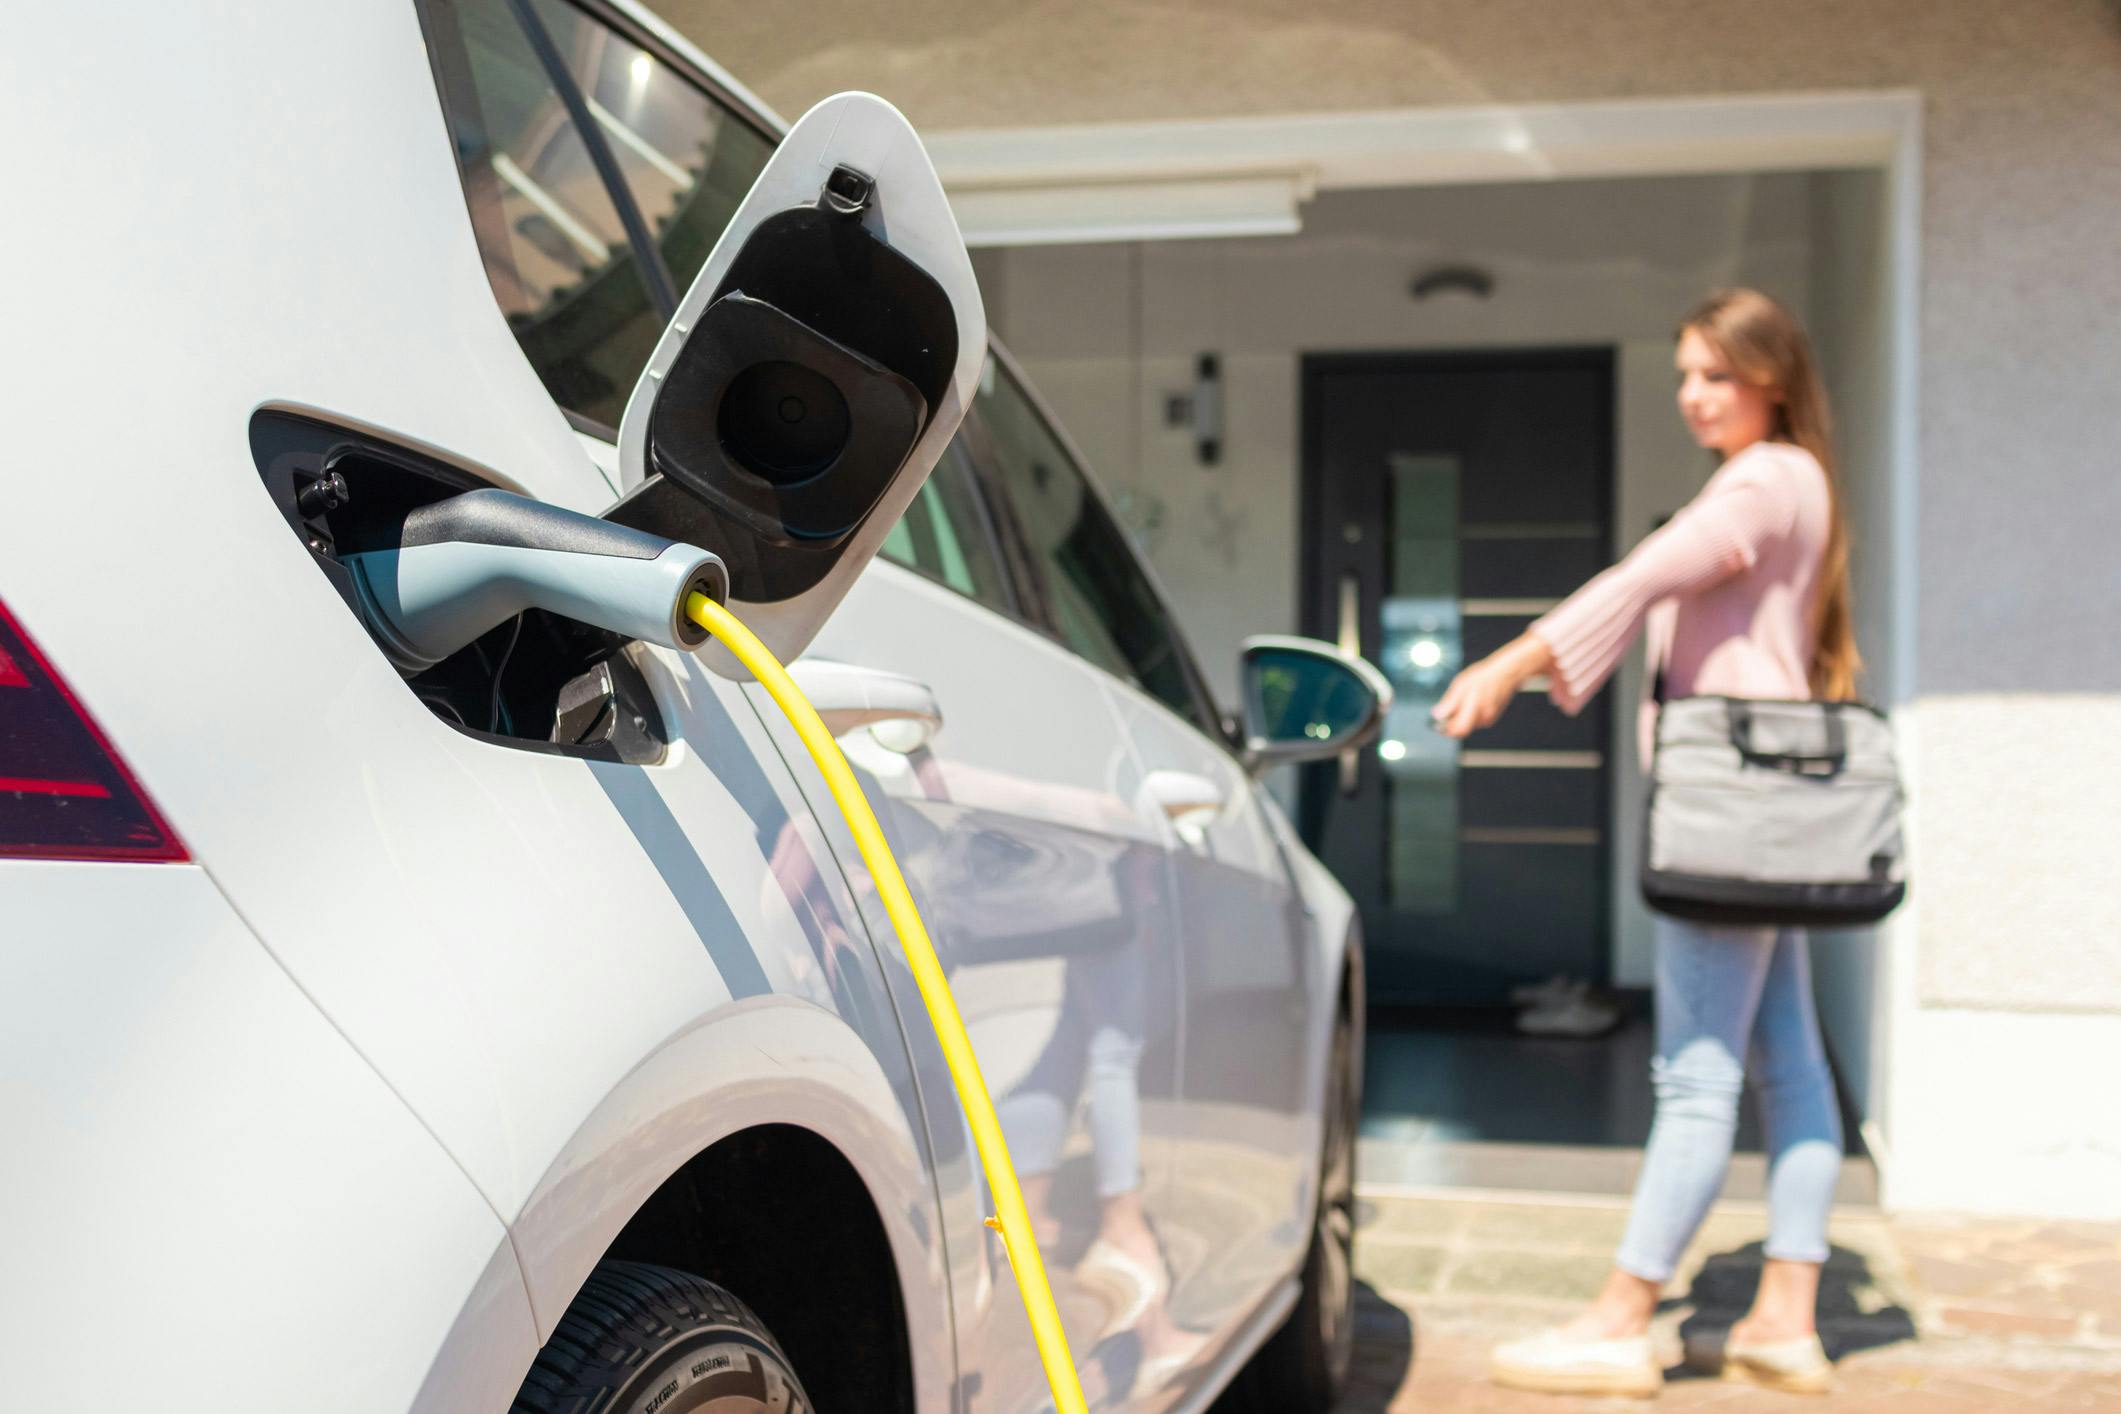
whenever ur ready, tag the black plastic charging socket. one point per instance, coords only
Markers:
(539, 682)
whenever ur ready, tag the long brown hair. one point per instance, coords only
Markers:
(1767, 347)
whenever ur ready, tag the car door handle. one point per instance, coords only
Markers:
(1190, 802)
(901, 714)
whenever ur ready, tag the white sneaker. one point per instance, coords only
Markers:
(1574, 1012)
(1128, 1285)
(1535, 993)
(1797, 1366)
(1553, 1363)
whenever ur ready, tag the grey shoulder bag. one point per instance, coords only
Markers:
(1773, 813)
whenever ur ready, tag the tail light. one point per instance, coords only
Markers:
(64, 792)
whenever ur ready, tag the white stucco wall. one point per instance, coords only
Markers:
(1985, 1107)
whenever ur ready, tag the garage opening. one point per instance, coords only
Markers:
(1412, 424)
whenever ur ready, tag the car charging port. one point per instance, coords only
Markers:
(536, 680)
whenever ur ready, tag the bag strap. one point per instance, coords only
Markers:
(1804, 763)
(1656, 670)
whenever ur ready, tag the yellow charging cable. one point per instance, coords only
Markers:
(1014, 1220)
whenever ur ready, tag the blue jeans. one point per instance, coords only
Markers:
(1099, 1030)
(1721, 991)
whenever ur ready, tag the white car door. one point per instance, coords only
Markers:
(1247, 1155)
(1012, 801)
(1238, 1217)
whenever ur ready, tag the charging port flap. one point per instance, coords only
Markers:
(813, 374)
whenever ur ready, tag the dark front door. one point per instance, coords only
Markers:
(1449, 500)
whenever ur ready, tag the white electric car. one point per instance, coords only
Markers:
(506, 1020)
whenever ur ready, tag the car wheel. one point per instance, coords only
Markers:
(1304, 1366)
(649, 1340)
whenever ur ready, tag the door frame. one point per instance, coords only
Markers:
(1313, 617)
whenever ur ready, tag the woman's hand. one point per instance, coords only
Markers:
(1478, 695)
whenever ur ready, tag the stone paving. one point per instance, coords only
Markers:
(1919, 1313)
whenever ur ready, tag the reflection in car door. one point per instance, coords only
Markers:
(1242, 1170)
(1244, 1162)
(1019, 825)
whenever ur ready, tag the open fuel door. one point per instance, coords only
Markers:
(812, 374)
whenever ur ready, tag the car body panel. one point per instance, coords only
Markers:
(221, 577)
(481, 1359)
(170, 1091)
(519, 861)
(1241, 1169)
(768, 1060)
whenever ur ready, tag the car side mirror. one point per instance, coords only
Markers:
(812, 375)
(1305, 700)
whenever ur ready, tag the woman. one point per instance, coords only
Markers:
(1744, 593)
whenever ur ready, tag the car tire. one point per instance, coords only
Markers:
(649, 1340)
(1303, 1367)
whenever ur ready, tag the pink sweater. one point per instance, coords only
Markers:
(1725, 586)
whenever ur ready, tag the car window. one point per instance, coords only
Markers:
(1099, 600)
(687, 161)
(554, 246)
(943, 534)
(554, 243)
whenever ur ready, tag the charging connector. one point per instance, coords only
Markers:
(462, 565)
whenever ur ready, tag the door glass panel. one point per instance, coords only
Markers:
(1420, 650)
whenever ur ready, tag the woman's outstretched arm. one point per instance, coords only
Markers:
(1580, 642)
(1477, 695)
